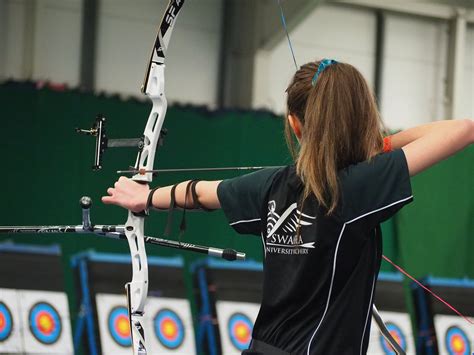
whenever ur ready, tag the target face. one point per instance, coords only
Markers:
(399, 326)
(169, 328)
(119, 326)
(397, 333)
(6, 322)
(239, 329)
(45, 323)
(236, 320)
(457, 341)
(167, 325)
(454, 337)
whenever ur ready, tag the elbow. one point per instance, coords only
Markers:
(468, 129)
(471, 130)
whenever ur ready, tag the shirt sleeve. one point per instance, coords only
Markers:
(375, 190)
(243, 198)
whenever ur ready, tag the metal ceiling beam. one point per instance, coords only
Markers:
(456, 70)
(458, 3)
(440, 9)
(90, 18)
(238, 48)
(29, 39)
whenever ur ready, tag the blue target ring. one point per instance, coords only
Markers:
(45, 323)
(457, 341)
(6, 322)
(397, 334)
(240, 329)
(169, 328)
(119, 326)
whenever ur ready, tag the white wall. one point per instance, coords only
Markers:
(57, 41)
(40, 40)
(3, 32)
(127, 32)
(415, 64)
(467, 100)
(345, 34)
(13, 38)
(46, 46)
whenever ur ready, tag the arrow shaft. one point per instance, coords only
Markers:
(186, 170)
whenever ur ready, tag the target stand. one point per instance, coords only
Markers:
(34, 311)
(390, 301)
(228, 298)
(439, 329)
(167, 321)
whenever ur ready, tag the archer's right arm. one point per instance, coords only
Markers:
(431, 143)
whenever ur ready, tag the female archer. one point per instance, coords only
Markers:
(319, 219)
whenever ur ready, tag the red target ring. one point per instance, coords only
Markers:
(6, 322)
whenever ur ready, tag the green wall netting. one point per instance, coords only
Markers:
(46, 168)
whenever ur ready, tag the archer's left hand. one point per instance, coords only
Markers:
(128, 194)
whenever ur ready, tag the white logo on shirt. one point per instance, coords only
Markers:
(282, 231)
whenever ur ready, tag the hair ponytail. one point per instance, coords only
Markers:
(340, 126)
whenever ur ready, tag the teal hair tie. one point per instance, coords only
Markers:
(323, 65)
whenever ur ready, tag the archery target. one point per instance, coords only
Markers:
(6, 322)
(169, 326)
(239, 328)
(236, 320)
(397, 334)
(454, 337)
(167, 322)
(10, 336)
(45, 323)
(114, 326)
(45, 316)
(399, 326)
(118, 325)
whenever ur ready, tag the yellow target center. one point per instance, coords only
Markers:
(458, 344)
(169, 328)
(242, 332)
(46, 323)
(2, 322)
(123, 326)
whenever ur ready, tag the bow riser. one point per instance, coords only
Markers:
(137, 289)
(156, 92)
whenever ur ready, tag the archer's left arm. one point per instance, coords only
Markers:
(133, 196)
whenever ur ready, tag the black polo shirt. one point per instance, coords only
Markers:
(318, 284)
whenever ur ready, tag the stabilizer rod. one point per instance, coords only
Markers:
(118, 232)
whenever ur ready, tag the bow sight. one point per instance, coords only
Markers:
(102, 142)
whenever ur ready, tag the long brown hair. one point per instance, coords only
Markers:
(340, 126)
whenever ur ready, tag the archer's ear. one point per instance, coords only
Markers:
(296, 125)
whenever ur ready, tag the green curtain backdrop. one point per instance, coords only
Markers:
(436, 232)
(46, 168)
